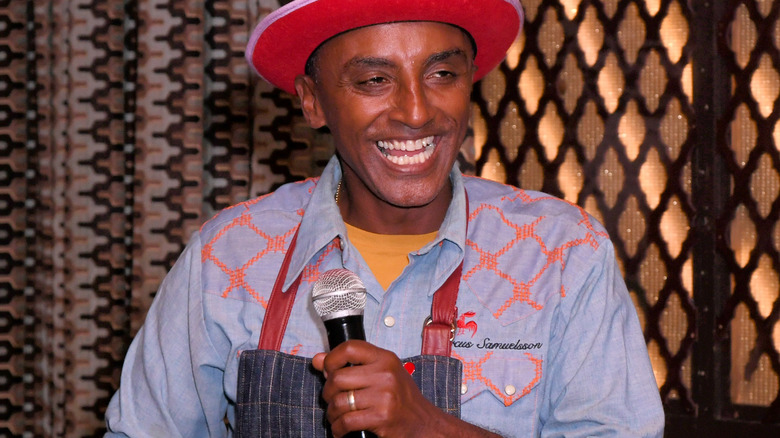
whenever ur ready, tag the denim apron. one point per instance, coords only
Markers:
(279, 394)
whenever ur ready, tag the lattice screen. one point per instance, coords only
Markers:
(750, 49)
(124, 124)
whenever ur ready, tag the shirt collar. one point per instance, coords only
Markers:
(452, 234)
(322, 222)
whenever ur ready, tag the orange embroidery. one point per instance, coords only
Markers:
(311, 272)
(537, 374)
(489, 260)
(472, 371)
(237, 277)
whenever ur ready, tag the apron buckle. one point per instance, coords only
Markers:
(429, 321)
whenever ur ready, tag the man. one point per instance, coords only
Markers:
(546, 340)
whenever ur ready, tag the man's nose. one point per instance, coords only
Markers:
(412, 104)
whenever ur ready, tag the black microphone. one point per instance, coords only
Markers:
(339, 298)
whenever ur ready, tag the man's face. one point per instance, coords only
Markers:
(396, 98)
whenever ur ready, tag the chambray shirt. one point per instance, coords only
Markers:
(548, 336)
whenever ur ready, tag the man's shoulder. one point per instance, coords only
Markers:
(285, 204)
(528, 206)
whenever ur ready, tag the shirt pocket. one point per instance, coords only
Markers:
(499, 390)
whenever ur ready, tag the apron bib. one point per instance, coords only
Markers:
(279, 394)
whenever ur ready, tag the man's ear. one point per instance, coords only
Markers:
(310, 104)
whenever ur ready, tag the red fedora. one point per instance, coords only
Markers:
(282, 42)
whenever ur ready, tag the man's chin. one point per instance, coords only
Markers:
(415, 199)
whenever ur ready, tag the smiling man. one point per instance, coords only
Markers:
(491, 310)
(396, 98)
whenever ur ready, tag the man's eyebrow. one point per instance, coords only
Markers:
(373, 62)
(367, 62)
(445, 55)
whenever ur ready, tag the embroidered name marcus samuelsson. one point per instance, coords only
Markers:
(486, 343)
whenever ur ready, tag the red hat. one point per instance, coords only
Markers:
(282, 42)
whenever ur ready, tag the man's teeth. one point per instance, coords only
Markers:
(425, 144)
(408, 145)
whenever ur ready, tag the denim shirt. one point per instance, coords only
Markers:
(549, 339)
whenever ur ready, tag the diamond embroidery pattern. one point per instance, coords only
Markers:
(274, 243)
(473, 371)
(527, 238)
(489, 261)
(268, 243)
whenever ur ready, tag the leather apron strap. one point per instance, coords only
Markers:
(280, 304)
(439, 330)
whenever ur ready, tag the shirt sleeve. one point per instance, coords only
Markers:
(171, 382)
(600, 379)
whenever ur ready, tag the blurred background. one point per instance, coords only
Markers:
(125, 124)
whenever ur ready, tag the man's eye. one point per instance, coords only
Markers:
(376, 80)
(444, 74)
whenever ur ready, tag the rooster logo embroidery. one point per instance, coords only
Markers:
(464, 326)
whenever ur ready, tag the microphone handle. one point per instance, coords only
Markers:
(343, 329)
(340, 330)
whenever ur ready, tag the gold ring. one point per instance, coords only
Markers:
(351, 398)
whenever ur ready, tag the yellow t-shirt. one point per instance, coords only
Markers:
(386, 254)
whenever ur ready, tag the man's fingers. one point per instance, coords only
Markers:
(318, 361)
(351, 352)
(345, 416)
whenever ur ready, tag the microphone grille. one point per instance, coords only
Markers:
(338, 293)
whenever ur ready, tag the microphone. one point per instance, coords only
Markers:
(339, 298)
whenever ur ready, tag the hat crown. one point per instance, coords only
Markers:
(283, 41)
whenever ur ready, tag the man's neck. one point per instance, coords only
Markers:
(379, 217)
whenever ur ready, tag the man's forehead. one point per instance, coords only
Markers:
(383, 31)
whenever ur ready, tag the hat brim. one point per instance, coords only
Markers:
(282, 42)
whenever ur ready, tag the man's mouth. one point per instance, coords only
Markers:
(405, 152)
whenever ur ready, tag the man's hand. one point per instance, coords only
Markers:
(387, 401)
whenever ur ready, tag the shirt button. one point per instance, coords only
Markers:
(510, 390)
(464, 388)
(389, 321)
